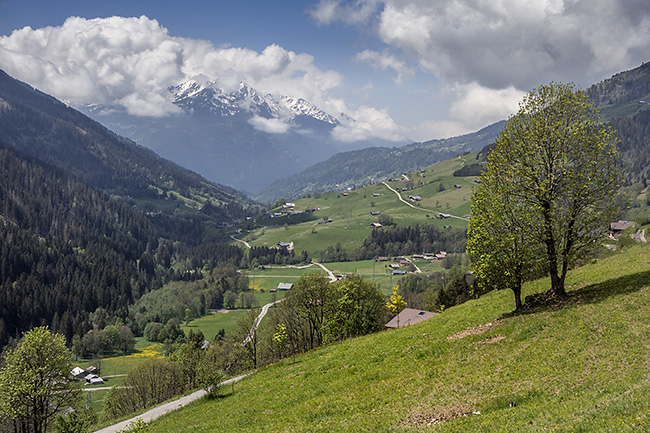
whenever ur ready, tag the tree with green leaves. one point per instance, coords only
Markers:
(396, 303)
(548, 191)
(310, 299)
(357, 308)
(280, 337)
(498, 242)
(34, 384)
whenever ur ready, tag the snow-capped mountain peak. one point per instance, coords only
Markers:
(209, 97)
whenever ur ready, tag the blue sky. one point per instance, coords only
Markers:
(400, 69)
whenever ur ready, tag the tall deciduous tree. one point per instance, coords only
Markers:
(549, 190)
(34, 383)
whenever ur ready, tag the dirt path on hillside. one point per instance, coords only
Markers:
(258, 319)
(329, 273)
(164, 409)
(246, 244)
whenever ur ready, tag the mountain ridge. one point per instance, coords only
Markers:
(375, 164)
(209, 96)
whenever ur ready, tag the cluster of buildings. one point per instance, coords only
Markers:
(90, 375)
(402, 261)
(289, 209)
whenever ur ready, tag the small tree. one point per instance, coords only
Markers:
(34, 382)
(210, 378)
(280, 337)
(396, 303)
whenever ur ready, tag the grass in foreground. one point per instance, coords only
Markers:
(579, 366)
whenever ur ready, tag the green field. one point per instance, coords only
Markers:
(579, 365)
(115, 368)
(211, 324)
(351, 215)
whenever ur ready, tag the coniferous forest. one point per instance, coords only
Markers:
(65, 250)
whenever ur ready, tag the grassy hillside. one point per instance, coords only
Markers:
(351, 215)
(578, 366)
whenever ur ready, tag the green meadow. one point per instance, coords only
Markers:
(577, 365)
(351, 214)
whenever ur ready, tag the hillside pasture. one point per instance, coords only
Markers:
(577, 365)
(351, 211)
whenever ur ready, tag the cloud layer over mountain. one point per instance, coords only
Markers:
(129, 63)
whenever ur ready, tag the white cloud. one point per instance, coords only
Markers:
(130, 63)
(126, 61)
(518, 43)
(366, 123)
(272, 126)
(473, 107)
(384, 61)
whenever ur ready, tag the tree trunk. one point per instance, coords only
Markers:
(557, 283)
(517, 288)
(517, 292)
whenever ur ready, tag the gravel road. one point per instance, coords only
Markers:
(164, 409)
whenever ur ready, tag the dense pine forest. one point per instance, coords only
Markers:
(65, 250)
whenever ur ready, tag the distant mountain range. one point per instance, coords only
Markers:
(241, 138)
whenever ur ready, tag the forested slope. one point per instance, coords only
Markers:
(65, 249)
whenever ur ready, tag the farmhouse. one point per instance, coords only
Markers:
(375, 225)
(415, 198)
(93, 379)
(398, 272)
(284, 244)
(375, 213)
(410, 316)
(78, 372)
(439, 256)
(615, 229)
(403, 261)
(284, 286)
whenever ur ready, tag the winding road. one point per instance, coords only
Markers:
(240, 241)
(419, 208)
